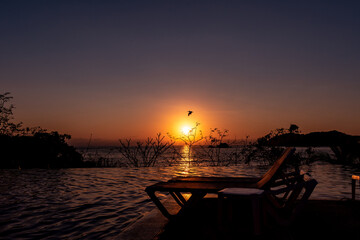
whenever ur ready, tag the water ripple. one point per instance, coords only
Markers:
(100, 203)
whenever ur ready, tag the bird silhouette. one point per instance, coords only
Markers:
(190, 112)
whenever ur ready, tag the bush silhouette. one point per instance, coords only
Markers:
(32, 147)
(41, 150)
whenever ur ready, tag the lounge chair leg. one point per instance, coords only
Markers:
(181, 198)
(195, 198)
(256, 215)
(220, 213)
(159, 205)
(225, 213)
(192, 201)
(176, 198)
(353, 187)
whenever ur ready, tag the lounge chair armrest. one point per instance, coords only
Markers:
(287, 181)
(278, 191)
(295, 173)
(290, 178)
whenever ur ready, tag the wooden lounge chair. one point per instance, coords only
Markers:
(199, 189)
(280, 206)
(285, 204)
(273, 173)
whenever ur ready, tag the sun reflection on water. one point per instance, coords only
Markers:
(186, 167)
(186, 154)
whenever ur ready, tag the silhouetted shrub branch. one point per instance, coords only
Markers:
(7, 127)
(146, 153)
(212, 149)
(189, 139)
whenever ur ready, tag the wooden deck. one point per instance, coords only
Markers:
(322, 219)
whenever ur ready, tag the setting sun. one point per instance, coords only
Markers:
(185, 130)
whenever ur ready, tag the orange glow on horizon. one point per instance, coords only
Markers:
(177, 122)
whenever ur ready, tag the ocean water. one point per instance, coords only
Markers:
(98, 203)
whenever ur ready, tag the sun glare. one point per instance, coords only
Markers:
(185, 130)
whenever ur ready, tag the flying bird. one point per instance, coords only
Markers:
(190, 112)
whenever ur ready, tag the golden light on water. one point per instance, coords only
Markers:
(186, 153)
(185, 167)
(185, 163)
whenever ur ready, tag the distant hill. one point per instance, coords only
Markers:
(313, 139)
(345, 147)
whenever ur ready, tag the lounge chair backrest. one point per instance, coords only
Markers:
(273, 172)
(286, 211)
(306, 185)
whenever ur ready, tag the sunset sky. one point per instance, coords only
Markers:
(118, 69)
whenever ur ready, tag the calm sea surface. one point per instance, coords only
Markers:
(98, 203)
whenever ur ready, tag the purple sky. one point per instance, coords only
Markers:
(133, 68)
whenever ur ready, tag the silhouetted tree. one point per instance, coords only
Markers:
(7, 127)
(32, 147)
(293, 128)
(41, 150)
(214, 144)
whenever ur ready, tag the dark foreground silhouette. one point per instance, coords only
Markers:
(345, 147)
(41, 150)
(321, 219)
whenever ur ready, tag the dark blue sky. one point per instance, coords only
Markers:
(132, 68)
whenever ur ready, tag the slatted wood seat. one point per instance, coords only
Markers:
(199, 187)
